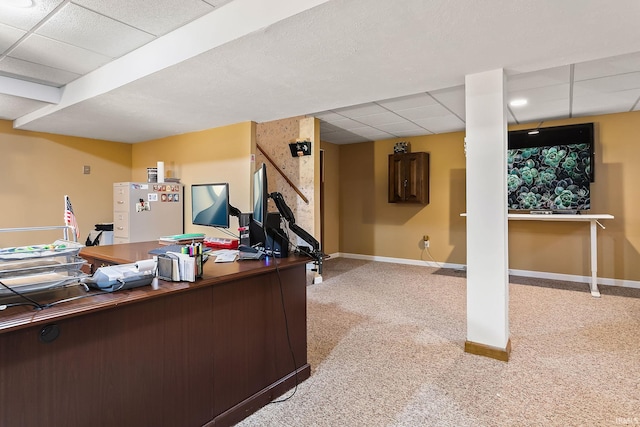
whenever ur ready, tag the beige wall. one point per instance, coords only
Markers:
(215, 155)
(38, 169)
(41, 168)
(371, 226)
(331, 229)
(563, 248)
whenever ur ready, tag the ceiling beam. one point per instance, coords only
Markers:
(230, 22)
(25, 89)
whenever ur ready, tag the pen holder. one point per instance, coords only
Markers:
(198, 263)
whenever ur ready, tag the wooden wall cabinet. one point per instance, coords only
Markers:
(409, 178)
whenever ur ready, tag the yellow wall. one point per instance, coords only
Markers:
(215, 155)
(563, 248)
(331, 229)
(38, 169)
(371, 226)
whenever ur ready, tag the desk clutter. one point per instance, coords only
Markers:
(42, 268)
(181, 263)
(39, 267)
(123, 276)
(182, 239)
(221, 243)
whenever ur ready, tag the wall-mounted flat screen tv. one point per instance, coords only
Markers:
(551, 169)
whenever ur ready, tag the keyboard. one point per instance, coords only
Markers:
(250, 255)
(249, 252)
(250, 249)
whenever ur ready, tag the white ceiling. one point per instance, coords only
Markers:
(134, 70)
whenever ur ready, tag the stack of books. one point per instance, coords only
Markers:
(182, 239)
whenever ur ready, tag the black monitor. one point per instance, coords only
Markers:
(210, 204)
(257, 234)
(260, 195)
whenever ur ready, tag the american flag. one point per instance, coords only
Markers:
(70, 217)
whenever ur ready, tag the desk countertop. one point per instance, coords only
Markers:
(554, 217)
(213, 274)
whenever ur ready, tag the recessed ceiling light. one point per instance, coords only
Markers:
(17, 3)
(518, 102)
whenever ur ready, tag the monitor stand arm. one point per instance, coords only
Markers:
(287, 214)
(233, 211)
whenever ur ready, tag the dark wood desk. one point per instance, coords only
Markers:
(187, 354)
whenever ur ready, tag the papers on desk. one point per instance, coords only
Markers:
(224, 255)
(177, 267)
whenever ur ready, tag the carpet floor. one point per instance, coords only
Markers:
(386, 346)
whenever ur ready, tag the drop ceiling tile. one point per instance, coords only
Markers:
(590, 103)
(452, 98)
(217, 3)
(327, 128)
(619, 82)
(406, 102)
(343, 138)
(450, 123)
(344, 123)
(420, 113)
(371, 133)
(52, 53)
(607, 67)
(538, 79)
(406, 134)
(12, 107)
(36, 72)
(360, 110)
(8, 36)
(156, 17)
(543, 103)
(26, 18)
(403, 127)
(540, 95)
(89, 30)
(543, 110)
(379, 119)
(327, 116)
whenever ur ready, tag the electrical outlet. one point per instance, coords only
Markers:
(425, 239)
(86, 169)
(426, 244)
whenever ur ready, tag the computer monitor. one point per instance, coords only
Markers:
(260, 195)
(210, 204)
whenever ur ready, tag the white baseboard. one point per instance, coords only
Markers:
(605, 281)
(400, 261)
(524, 273)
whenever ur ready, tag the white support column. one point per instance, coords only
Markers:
(487, 224)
